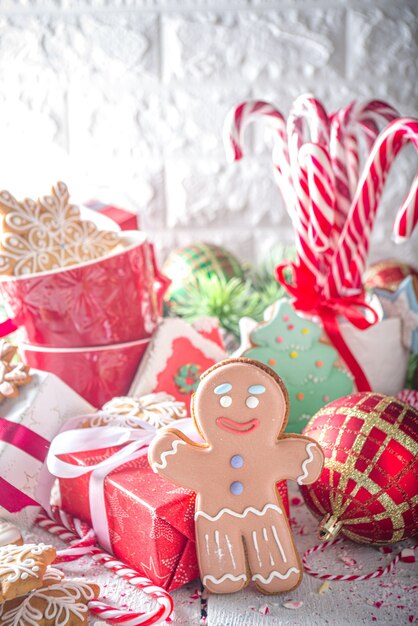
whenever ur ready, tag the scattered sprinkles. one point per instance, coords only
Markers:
(324, 587)
(293, 604)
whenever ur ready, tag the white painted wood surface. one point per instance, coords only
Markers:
(392, 599)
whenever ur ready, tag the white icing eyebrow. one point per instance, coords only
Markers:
(256, 389)
(221, 389)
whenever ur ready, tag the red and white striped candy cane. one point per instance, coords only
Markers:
(344, 149)
(236, 122)
(348, 577)
(306, 113)
(315, 162)
(307, 116)
(65, 527)
(349, 261)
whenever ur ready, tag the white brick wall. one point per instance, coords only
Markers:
(125, 100)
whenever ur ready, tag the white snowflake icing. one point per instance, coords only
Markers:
(157, 409)
(17, 562)
(63, 602)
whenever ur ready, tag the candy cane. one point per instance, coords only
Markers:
(350, 257)
(236, 122)
(306, 112)
(70, 529)
(344, 147)
(349, 577)
(315, 162)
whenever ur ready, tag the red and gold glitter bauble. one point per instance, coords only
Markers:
(387, 274)
(368, 490)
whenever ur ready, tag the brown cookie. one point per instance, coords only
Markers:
(7, 351)
(48, 234)
(62, 604)
(157, 409)
(12, 374)
(9, 534)
(240, 408)
(22, 568)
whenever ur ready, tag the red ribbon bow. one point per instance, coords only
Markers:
(307, 299)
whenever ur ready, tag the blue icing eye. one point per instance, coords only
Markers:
(236, 488)
(220, 390)
(256, 389)
(236, 461)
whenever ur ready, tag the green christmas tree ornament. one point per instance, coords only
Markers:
(295, 348)
(184, 264)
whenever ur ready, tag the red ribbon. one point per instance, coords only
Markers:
(306, 298)
(7, 327)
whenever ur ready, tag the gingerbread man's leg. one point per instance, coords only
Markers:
(221, 553)
(273, 560)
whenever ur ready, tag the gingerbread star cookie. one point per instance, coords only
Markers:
(22, 568)
(62, 604)
(46, 234)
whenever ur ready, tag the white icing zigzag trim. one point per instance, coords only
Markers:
(249, 509)
(163, 462)
(267, 581)
(218, 581)
(306, 462)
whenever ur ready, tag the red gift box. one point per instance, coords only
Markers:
(125, 219)
(151, 521)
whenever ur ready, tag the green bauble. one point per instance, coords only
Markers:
(292, 346)
(184, 264)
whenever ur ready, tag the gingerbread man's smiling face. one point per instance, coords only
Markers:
(237, 400)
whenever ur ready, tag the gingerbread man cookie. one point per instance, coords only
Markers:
(240, 408)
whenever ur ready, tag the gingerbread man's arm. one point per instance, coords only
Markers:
(301, 457)
(170, 454)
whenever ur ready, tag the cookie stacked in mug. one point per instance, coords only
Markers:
(85, 300)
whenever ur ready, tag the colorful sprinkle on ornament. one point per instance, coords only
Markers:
(319, 363)
(290, 326)
(293, 354)
(272, 361)
(304, 331)
(300, 395)
(279, 339)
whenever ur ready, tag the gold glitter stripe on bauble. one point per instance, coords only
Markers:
(392, 510)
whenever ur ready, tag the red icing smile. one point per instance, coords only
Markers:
(237, 428)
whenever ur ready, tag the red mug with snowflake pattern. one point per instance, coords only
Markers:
(115, 299)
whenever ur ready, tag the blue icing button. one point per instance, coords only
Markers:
(236, 488)
(236, 461)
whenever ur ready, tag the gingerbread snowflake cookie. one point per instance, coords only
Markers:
(62, 604)
(46, 234)
(158, 409)
(240, 408)
(22, 568)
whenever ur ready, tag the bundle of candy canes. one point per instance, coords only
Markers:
(332, 206)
